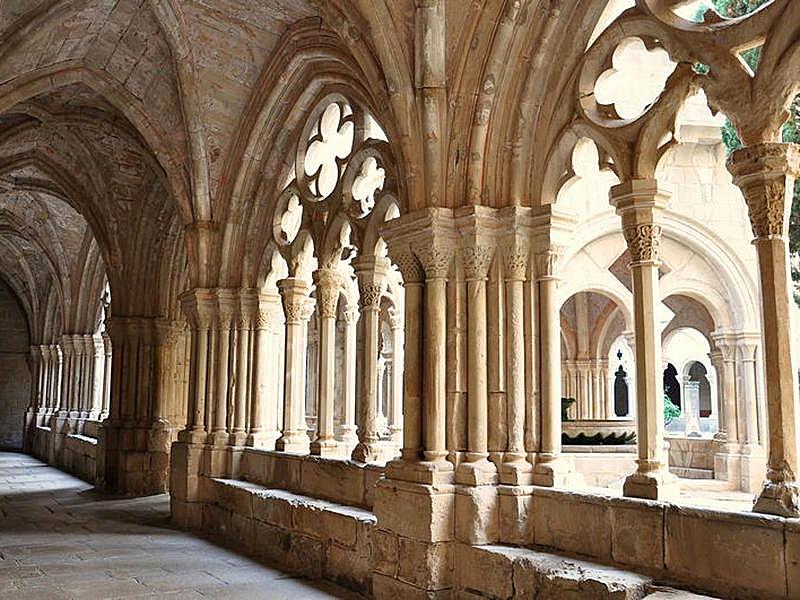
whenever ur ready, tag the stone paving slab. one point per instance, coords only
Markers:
(59, 539)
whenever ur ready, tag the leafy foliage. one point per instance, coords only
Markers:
(671, 410)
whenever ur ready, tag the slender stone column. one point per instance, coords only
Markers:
(66, 376)
(41, 360)
(718, 362)
(294, 293)
(199, 307)
(219, 429)
(348, 427)
(515, 470)
(766, 173)
(98, 364)
(413, 276)
(371, 274)
(436, 259)
(396, 419)
(243, 388)
(746, 351)
(328, 286)
(106, 399)
(87, 368)
(55, 378)
(640, 202)
(265, 397)
(551, 468)
(476, 468)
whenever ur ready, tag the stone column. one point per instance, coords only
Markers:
(264, 397)
(691, 407)
(87, 366)
(294, 438)
(436, 259)
(639, 203)
(718, 362)
(413, 276)
(225, 314)
(396, 383)
(328, 286)
(515, 469)
(106, 399)
(551, 468)
(198, 305)
(55, 378)
(347, 429)
(476, 468)
(244, 352)
(371, 274)
(98, 374)
(765, 173)
(67, 374)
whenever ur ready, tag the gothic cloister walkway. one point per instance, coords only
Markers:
(53, 526)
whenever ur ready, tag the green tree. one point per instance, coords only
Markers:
(790, 133)
(671, 410)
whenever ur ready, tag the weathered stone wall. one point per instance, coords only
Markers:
(15, 375)
(303, 535)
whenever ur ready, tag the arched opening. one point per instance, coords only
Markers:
(15, 371)
(621, 397)
(672, 387)
(698, 375)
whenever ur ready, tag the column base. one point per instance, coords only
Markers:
(655, 485)
(327, 447)
(372, 452)
(554, 471)
(782, 499)
(219, 438)
(262, 439)
(422, 472)
(753, 466)
(192, 436)
(294, 442)
(238, 438)
(515, 470)
(476, 470)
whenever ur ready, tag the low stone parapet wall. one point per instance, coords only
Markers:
(303, 535)
(331, 479)
(693, 546)
(79, 456)
(73, 452)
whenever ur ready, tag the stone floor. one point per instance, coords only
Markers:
(59, 539)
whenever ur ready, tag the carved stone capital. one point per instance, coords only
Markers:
(410, 267)
(294, 293)
(477, 259)
(436, 260)
(765, 174)
(516, 255)
(546, 263)
(644, 241)
(328, 284)
(370, 294)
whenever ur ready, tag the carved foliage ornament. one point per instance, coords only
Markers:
(477, 260)
(766, 202)
(409, 267)
(370, 295)
(644, 242)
